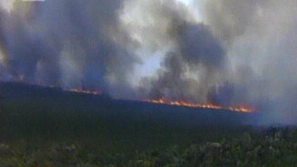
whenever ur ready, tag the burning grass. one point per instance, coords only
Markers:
(242, 108)
(61, 132)
(86, 131)
(239, 108)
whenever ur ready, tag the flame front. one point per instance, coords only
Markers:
(242, 108)
(81, 91)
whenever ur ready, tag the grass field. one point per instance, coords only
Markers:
(83, 131)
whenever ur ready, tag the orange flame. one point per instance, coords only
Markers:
(94, 92)
(242, 108)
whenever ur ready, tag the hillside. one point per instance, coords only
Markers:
(40, 118)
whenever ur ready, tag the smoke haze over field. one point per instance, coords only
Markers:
(261, 40)
(225, 51)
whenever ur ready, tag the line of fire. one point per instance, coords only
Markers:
(166, 101)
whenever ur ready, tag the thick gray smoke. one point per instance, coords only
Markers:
(261, 40)
(236, 51)
(243, 49)
(69, 43)
(198, 52)
(194, 59)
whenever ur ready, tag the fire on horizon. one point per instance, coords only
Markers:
(241, 108)
(183, 103)
(158, 49)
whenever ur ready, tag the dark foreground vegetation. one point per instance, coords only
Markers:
(52, 129)
(266, 147)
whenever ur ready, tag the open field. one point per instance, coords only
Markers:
(50, 128)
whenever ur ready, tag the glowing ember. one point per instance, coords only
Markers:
(242, 108)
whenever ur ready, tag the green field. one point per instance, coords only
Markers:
(79, 131)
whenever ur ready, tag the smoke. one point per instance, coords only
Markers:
(221, 51)
(242, 53)
(96, 45)
(68, 43)
(260, 37)
(193, 58)
(196, 52)
(230, 18)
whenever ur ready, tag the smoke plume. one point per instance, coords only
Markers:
(235, 52)
(68, 43)
(260, 37)
(250, 45)
(194, 58)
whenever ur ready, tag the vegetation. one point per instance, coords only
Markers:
(266, 147)
(84, 131)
